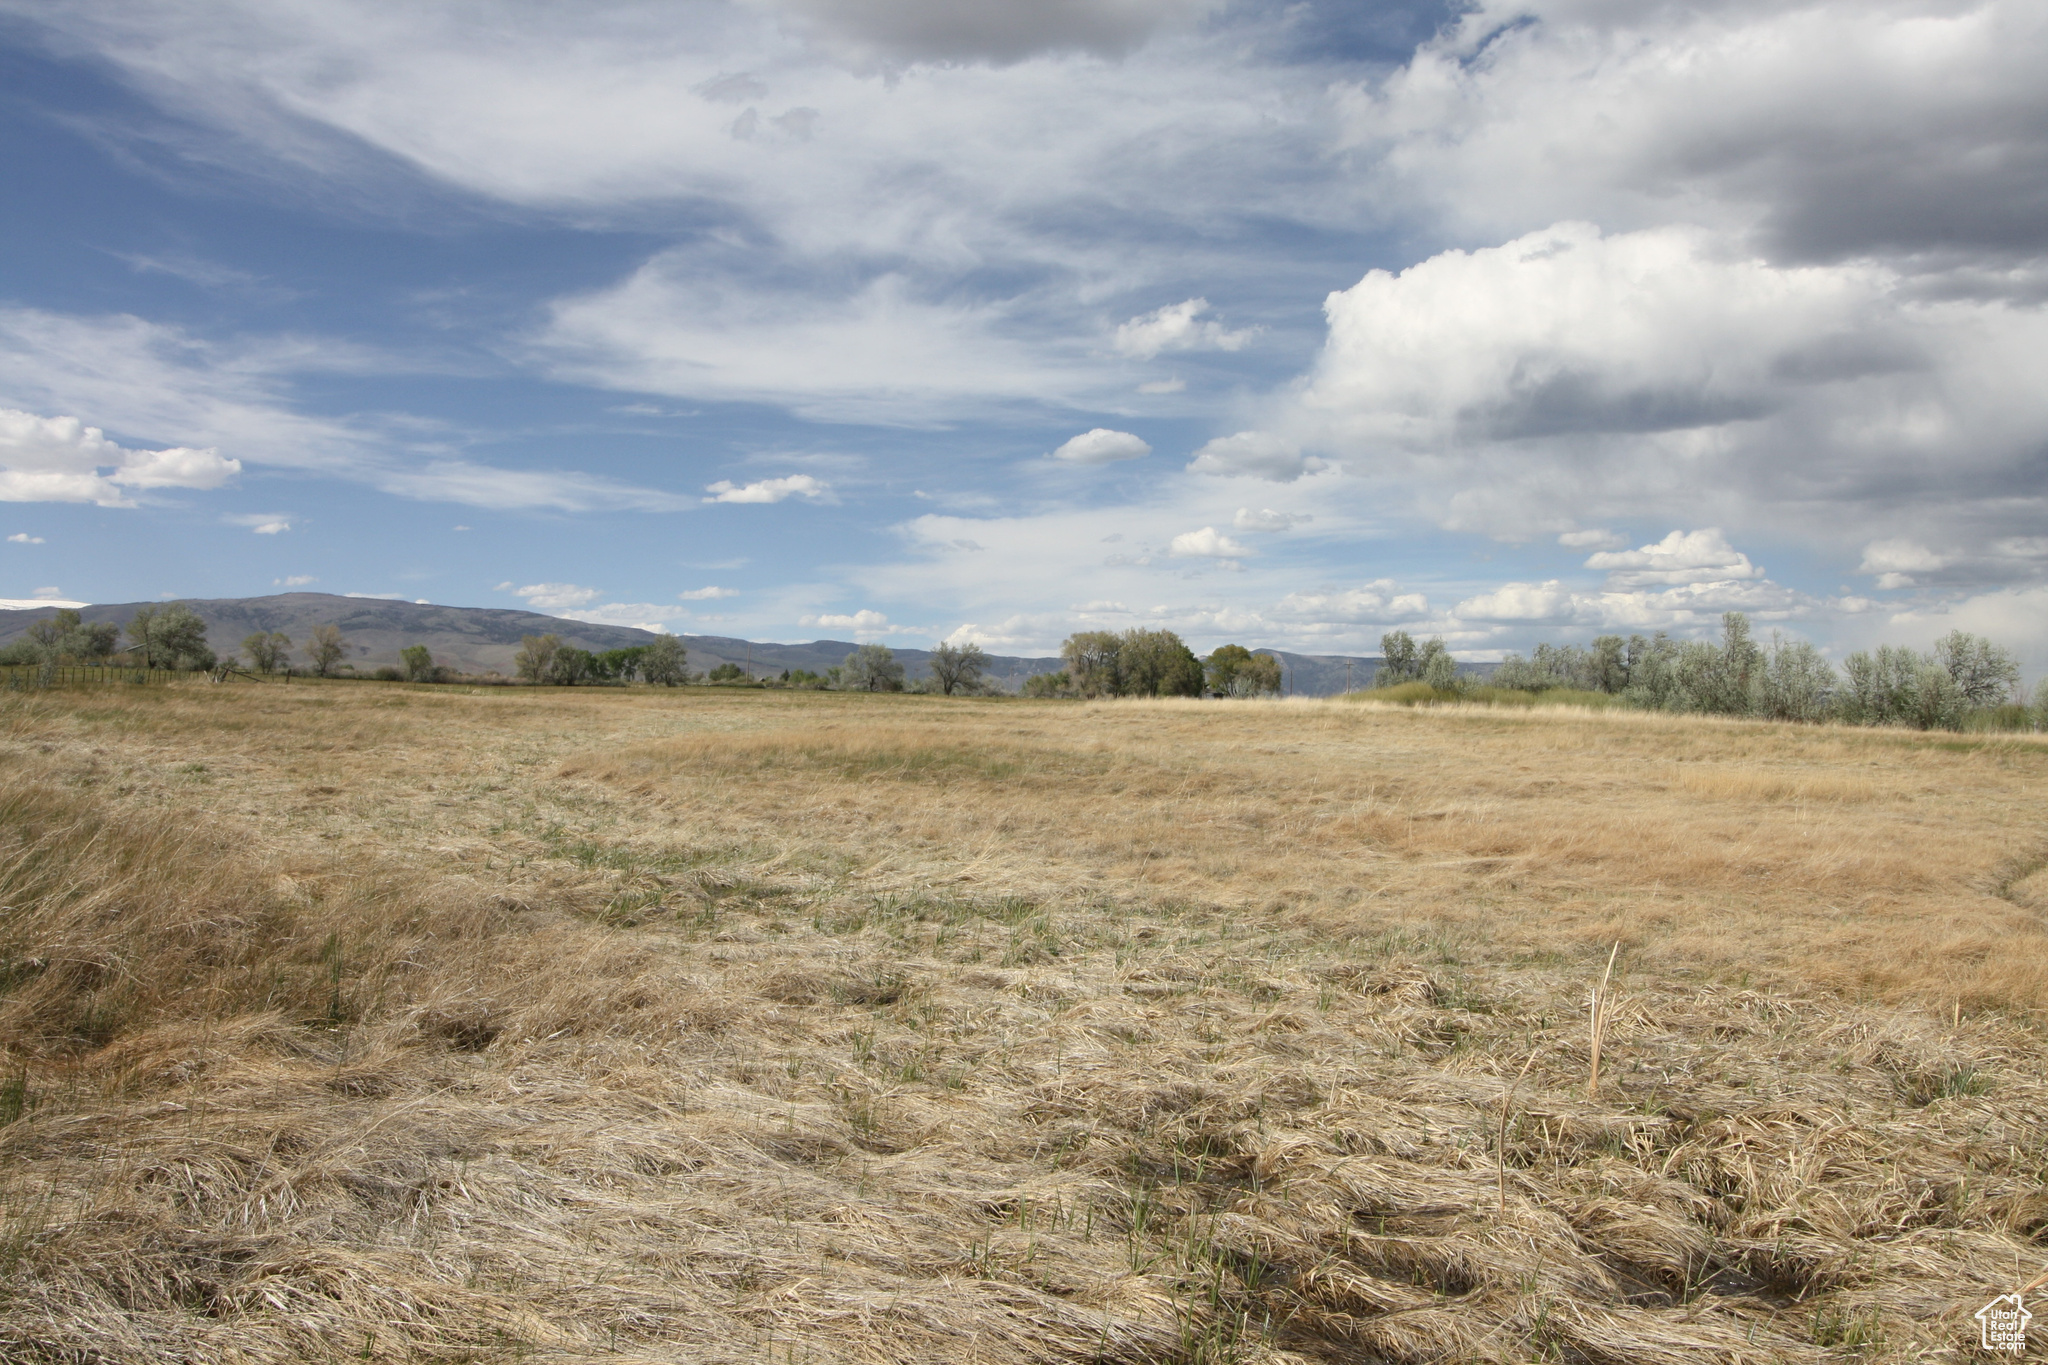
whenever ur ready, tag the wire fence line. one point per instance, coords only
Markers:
(24, 677)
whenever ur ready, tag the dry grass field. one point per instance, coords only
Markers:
(363, 1022)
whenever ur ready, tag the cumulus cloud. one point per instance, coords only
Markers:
(1570, 371)
(1567, 331)
(1681, 557)
(2015, 616)
(1102, 446)
(1178, 327)
(262, 523)
(61, 459)
(1896, 561)
(1207, 543)
(297, 580)
(707, 594)
(768, 490)
(24, 538)
(1254, 454)
(1826, 130)
(1266, 521)
(1550, 601)
(865, 624)
(1375, 603)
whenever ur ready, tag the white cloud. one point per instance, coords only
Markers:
(573, 602)
(2016, 617)
(1254, 454)
(1266, 521)
(556, 597)
(61, 459)
(1102, 446)
(865, 624)
(1821, 129)
(178, 467)
(1207, 543)
(1681, 557)
(262, 523)
(1899, 556)
(638, 615)
(1550, 601)
(707, 594)
(890, 349)
(768, 490)
(297, 580)
(24, 538)
(46, 597)
(1592, 540)
(1570, 373)
(1159, 386)
(1176, 327)
(1376, 603)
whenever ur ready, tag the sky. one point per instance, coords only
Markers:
(1277, 322)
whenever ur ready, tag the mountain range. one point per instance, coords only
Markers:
(484, 640)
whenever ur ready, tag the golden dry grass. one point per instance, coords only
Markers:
(362, 1022)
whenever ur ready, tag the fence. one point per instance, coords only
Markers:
(22, 677)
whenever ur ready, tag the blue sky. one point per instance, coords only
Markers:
(1283, 323)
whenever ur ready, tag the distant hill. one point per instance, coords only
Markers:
(486, 639)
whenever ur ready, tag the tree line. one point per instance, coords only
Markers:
(173, 636)
(1964, 681)
(1153, 663)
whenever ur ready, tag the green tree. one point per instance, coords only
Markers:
(172, 636)
(569, 666)
(1398, 660)
(65, 636)
(418, 662)
(1158, 663)
(1436, 665)
(1985, 674)
(96, 640)
(1049, 685)
(1794, 683)
(1094, 666)
(871, 668)
(536, 658)
(267, 651)
(142, 637)
(957, 668)
(619, 664)
(1234, 671)
(662, 661)
(1609, 665)
(325, 649)
(726, 673)
(50, 636)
